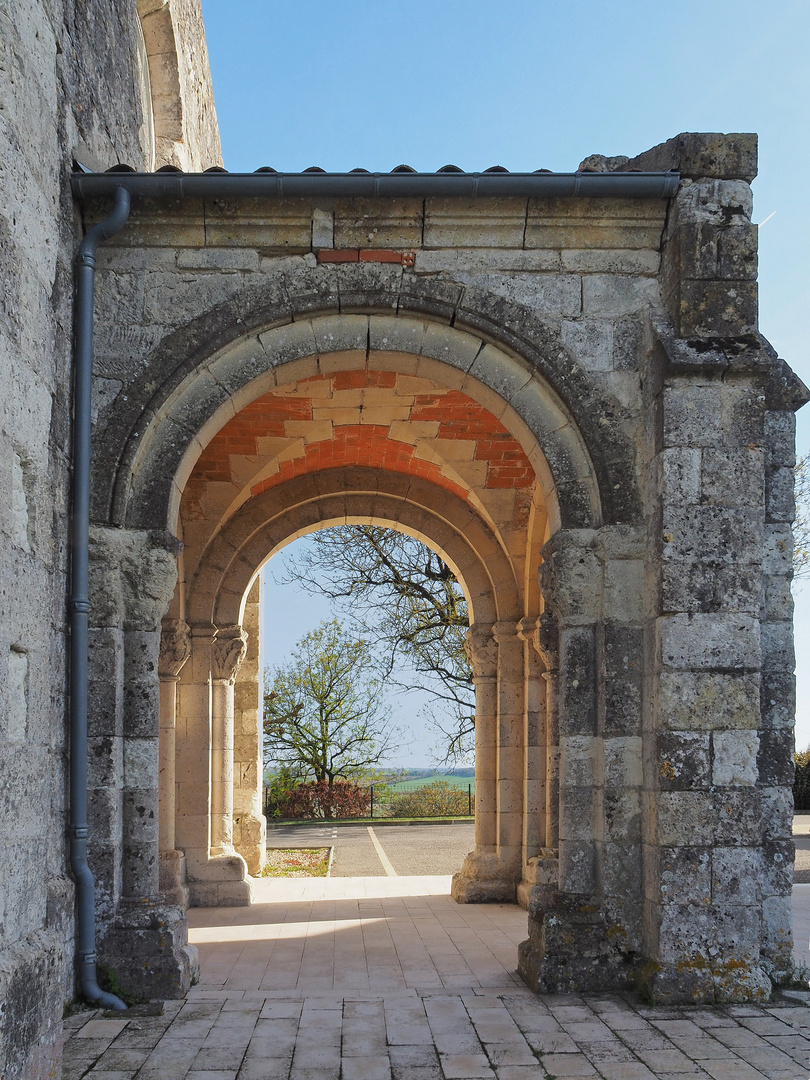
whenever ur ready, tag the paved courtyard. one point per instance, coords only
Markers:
(385, 978)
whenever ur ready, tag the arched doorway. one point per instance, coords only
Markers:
(405, 422)
(361, 444)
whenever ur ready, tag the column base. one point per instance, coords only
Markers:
(571, 949)
(146, 955)
(173, 878)
(540, 884)
(696, 982)
(484, 879)
(250, 840)
(220, 881)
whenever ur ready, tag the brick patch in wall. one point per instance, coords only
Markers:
(380, 255)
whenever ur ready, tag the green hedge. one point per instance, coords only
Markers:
(438, 799)
(801, 785)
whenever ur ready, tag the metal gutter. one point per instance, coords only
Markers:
(79, 603)
(361, 185)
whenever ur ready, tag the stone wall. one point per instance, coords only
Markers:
(70, 87)
(616, 341)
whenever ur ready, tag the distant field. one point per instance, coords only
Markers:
(420, 781)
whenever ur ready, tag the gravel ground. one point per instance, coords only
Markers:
(411, 849)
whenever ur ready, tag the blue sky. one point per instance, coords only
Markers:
(531, 85)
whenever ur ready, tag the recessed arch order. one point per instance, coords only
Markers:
(201, 376)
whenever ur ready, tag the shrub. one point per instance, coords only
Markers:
(282, 784)
(319, 799)
(801, 784)
(438, 799)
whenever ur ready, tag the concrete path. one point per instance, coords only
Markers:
(408, 849)
(387, 979)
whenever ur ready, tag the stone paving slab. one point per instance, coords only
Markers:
(469, 1035)
(386, 979)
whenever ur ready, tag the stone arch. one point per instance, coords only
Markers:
(197, 371)
(281, 514)
(215, 602)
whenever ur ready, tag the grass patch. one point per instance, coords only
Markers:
(297, 862)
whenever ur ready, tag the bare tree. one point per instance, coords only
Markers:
(801, 528)
(323, 714)
(410, 604)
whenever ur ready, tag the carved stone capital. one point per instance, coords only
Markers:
(175, 647)
(482, 650)
(227, 653)
(505, 632)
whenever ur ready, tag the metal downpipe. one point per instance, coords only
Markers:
(79, 603)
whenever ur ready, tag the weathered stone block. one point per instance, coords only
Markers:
(622, 815)
(703, 154)
(777, 935)
(732, 477)
(717, 309)
(780, 504)
(578, 689)
(679, 476)
(737, 253)
(685, 819)
(777, 604)
(778, 699)
(684, 761)
(775, 758)
(777, 646)
(623, 661)
(703, 642)
(686, 874)
(707, 586)
(738, 812)
(735, 758)
(780, 439)
(693, 416)
(736, 875)
(777, 867)
(612, 295)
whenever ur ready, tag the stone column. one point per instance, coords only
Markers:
(227, 653)
(213, 879)
(511, 763)
(175, 649)
(145, 942)
(250, 829)
(541, 793)
(490, 871)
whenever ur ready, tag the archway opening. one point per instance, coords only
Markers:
(359, 444)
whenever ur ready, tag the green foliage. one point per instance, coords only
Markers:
(281, 785)
(438, 799)
(323, 716)
(801, 783)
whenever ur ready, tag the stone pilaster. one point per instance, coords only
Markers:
(227, 653)
(175, 649)
(541, 787)
(581, 934)
(213, 879)
(249, 826)
(145, 944)
(491, 871)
